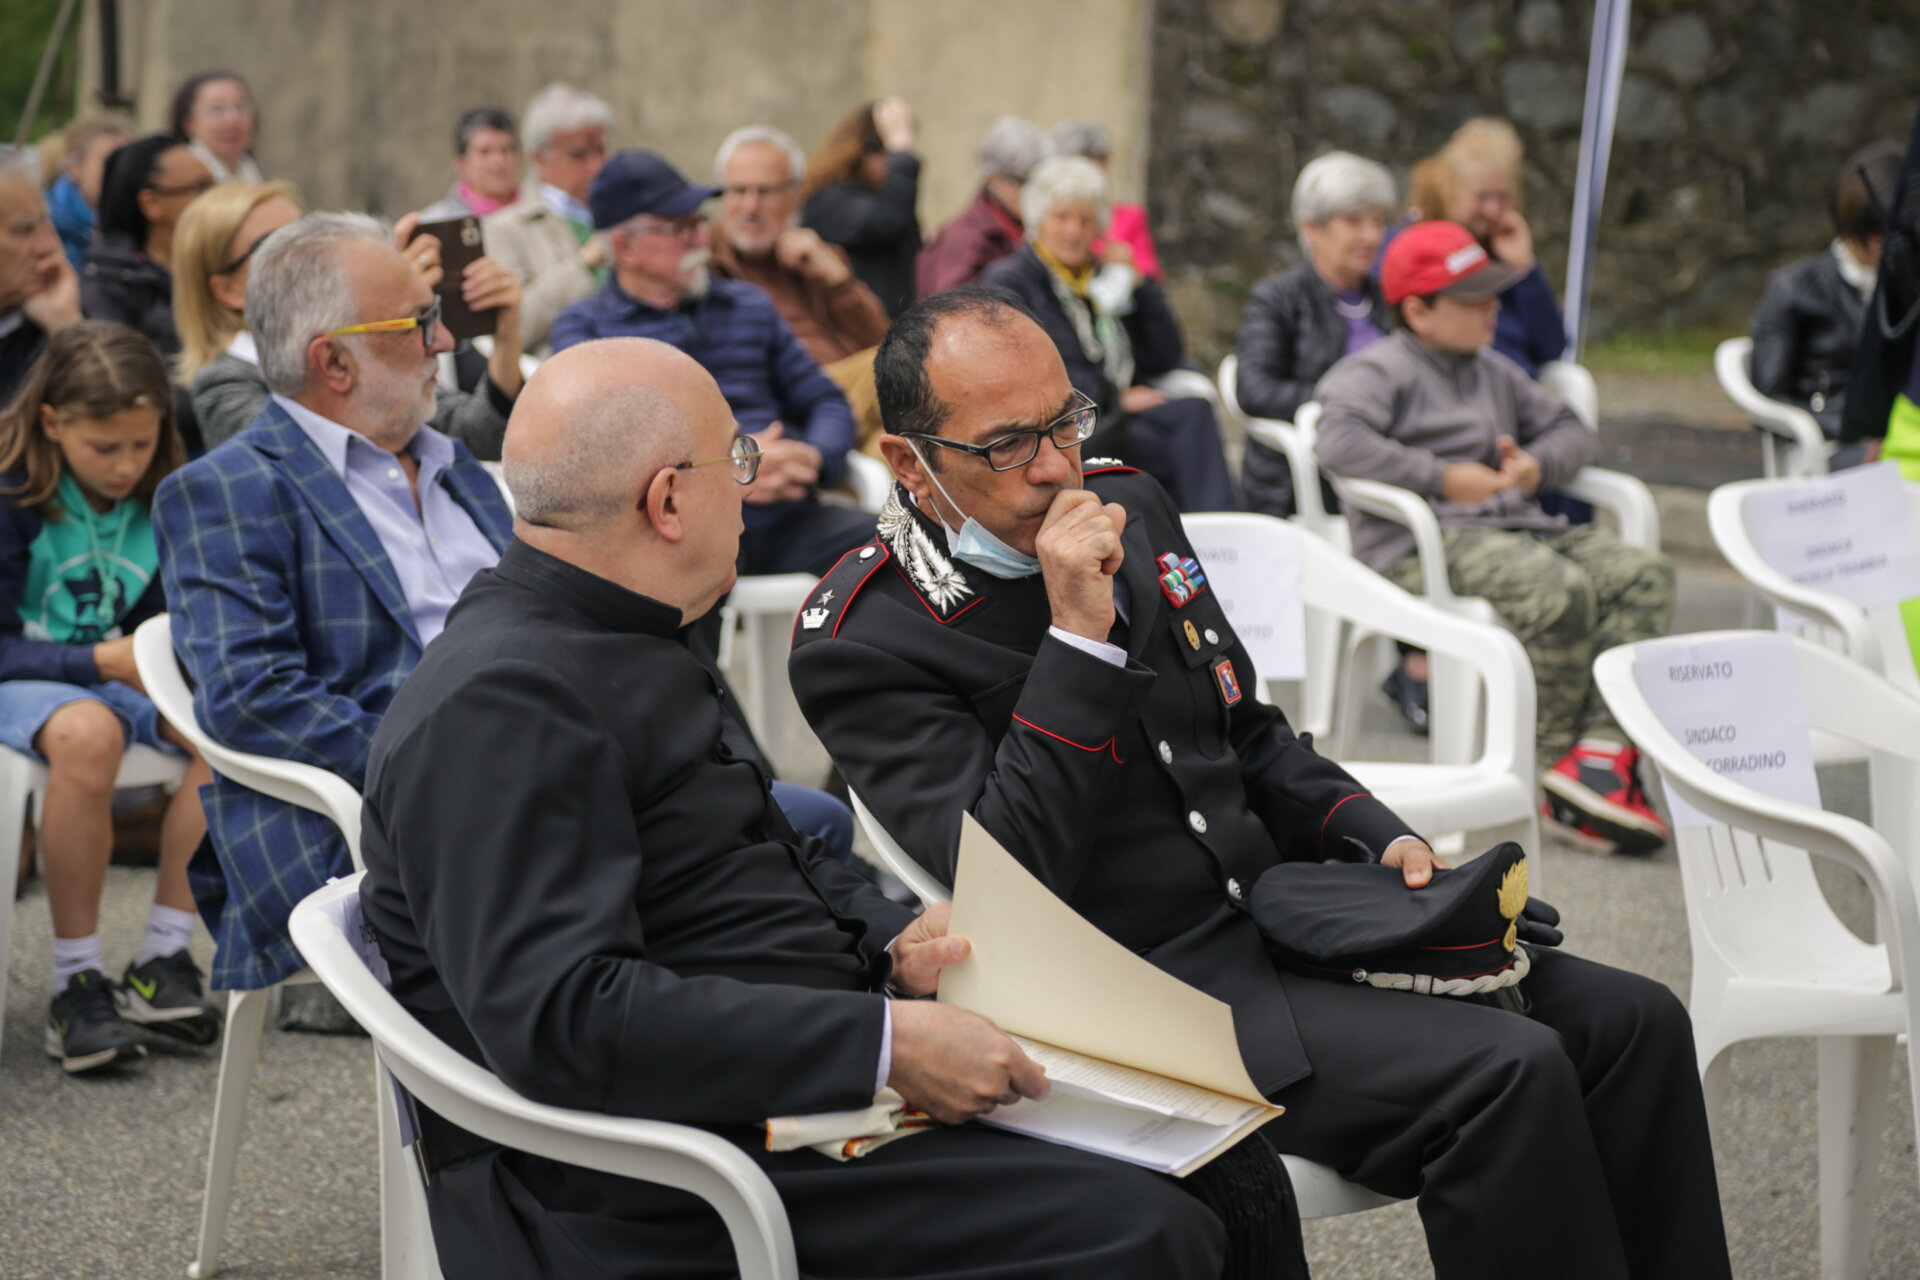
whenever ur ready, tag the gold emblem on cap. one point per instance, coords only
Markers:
(1513, 900)
(1193, 636)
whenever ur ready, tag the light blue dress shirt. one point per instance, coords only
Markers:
(435, 547)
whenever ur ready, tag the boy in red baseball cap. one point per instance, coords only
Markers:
(1433, 408)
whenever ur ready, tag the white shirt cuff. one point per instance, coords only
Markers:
(1111, 654)
(886, 1048)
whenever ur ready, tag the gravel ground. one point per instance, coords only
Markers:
(102, 1177)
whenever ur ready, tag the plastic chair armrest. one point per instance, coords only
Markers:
(1403, 507)
(1627, 497)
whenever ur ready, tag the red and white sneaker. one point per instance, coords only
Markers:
(1594, 800)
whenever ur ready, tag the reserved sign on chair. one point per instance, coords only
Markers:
(1257, 581)
(1734, 702)
(1850, 534)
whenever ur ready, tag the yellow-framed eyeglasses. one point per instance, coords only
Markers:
(425, 323)
(745, 457)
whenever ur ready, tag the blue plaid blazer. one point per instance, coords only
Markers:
(289, 619)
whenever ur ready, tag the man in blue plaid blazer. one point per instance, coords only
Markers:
(289, 612)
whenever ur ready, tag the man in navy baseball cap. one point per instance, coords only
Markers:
(636, 182)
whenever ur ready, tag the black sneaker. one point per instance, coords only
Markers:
(166, 995)
(1409, 697)
(84, 1030)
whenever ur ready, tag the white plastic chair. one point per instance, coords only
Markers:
(871, 479)
(1187, 384)
(1876, 639)
(1491, 790)
(763, 607)
(1770, 959)
(470, 1096)
(1791, 442)
(1321, 1192)
(23, 788)
(299, 784)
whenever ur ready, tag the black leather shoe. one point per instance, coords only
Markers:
(1409, 696)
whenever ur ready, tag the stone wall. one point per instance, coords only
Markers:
(358, 99)
(1735, 116)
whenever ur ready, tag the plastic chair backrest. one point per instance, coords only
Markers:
(916, 877)
(1229, 380)
(304, 785)
(1782, 426)
(1751, 892)
(1574, 384)
(871, 479)
(468, 1095)
(1876, 638)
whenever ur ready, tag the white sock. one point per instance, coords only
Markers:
(168, 930)
(72, 955)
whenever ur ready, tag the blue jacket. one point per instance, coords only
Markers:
(763, 371)
(290, 621)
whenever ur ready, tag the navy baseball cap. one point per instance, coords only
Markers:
(636, 182)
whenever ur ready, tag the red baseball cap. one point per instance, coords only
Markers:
(1442, 257)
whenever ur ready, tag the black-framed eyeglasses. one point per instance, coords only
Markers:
(745, 457)
(426, 323)
(1018, 448)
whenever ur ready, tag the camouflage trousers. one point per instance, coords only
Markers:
(1568, 594)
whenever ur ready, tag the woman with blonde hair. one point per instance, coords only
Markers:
(212, 246)
(1475, 181)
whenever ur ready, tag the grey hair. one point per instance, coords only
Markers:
(21, 162)
(1087, 138)
(591, 472)
(767, 135)
(1060, 180)
(1339, 182)
(1011, 147)
(298, 289)
(561, 108)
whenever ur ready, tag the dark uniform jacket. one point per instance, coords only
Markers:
(1149, 797)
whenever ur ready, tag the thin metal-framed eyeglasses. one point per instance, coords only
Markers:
(426, 324)
(1017, 448)
(745, 457)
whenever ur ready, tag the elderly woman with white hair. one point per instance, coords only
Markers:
(1114, 331)
(1299, 323)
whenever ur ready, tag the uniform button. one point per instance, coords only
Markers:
(1213, 637)
(1198, 821)
(1166, 752)
(1233, 890)
(866, 553)
(393, 473)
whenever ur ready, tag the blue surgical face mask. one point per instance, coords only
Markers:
(973, 543)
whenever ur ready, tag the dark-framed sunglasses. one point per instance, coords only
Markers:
(745, 456)
(1017, 448)
(241, 261)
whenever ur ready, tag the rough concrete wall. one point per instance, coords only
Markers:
(964, 64)
(358, 99)
(1734, 119)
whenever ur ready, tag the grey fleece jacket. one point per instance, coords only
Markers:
(1399, 412)
(228, 394)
